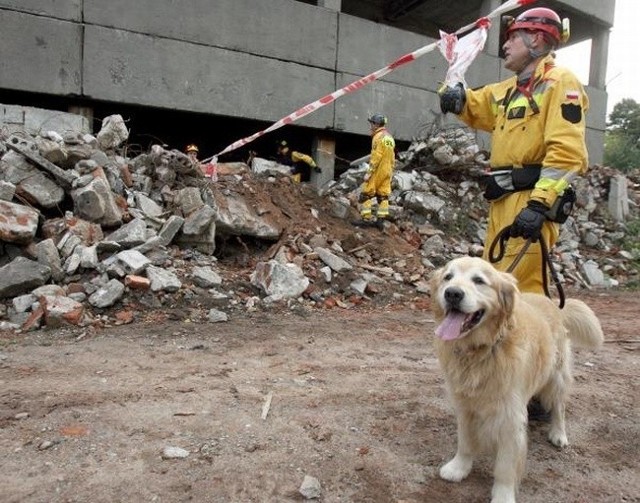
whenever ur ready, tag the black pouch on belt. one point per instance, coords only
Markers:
(563, 206)
(525, 178)
(492, 190)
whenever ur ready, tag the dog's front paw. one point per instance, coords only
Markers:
(558, 438)
(503, 494)
(456, 469)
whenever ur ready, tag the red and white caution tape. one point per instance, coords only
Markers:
(482, 22)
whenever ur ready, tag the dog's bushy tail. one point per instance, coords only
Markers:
(582, 324)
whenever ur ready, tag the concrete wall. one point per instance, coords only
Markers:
(239, 58)
(70, 10)
(602, 10)
(14, 118)
(40, 54)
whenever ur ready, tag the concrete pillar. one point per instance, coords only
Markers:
(493, 37)
(331, 4)
(618, 198)
(324, 152)
(86, 112)
(598, 60)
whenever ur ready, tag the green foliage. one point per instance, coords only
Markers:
(622, 138)
(631, 243)
(625, 117)
(620, 152)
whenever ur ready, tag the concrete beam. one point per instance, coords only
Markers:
(40, 54)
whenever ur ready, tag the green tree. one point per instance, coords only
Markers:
(622, 137)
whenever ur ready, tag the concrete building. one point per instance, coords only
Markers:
(237, 66)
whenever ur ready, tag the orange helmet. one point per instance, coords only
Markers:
(192, 148)
(540, 19)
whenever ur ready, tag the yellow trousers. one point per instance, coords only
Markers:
(377, 186)
(528, 271)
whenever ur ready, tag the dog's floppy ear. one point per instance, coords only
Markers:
(434, 280)
(434, 283)
(507, 290)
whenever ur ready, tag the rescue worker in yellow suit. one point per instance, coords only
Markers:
(301, 164)
(377, 182)
(208, 169)
(192, 151)
(537, 123)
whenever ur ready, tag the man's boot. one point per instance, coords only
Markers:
(383, 208)
(537, 412)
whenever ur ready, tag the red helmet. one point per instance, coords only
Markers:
(540, 19)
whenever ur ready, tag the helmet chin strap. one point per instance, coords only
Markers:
(533, 54)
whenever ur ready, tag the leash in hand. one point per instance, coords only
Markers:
(501, 240)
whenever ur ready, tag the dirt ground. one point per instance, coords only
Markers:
(357, 401)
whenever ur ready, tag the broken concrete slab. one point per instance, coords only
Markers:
(22, 275)
(30, 151)
(18, 223)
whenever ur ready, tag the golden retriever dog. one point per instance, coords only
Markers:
(498, 348)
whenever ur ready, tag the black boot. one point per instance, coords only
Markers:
(537, 412)
(364, 223)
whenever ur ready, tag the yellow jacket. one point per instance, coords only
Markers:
(300, 157)
(382, 152)
(381, 164)
(547, 129)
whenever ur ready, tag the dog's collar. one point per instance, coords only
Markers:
(459, 351)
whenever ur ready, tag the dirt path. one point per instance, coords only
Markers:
(357, 402)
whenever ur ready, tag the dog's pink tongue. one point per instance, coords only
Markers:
(451, 326)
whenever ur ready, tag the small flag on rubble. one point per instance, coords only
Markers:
(210, 170)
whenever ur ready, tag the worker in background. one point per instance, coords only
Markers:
(192, 151)
(377, 181)
(209, 169)
(300, 164)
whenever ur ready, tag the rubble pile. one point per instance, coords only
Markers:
(90, 236)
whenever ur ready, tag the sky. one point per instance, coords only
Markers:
(623, 71)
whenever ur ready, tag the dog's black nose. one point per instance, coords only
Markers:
(453, 296)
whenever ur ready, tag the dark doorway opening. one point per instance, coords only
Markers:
(212, 133)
